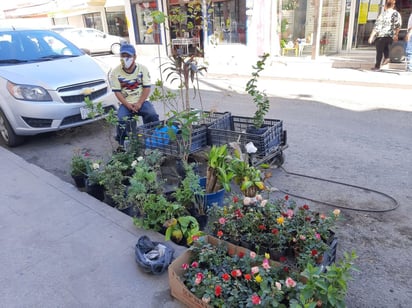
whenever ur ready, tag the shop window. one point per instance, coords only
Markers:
(117, 24)
(227, 22)
(147, 32)
(93, 20)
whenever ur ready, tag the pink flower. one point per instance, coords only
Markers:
(195, 264)
(317, 235)
(222, 220)
(256, 299)
(302, 237)
(185, 266)
(266, 264)
(252, 255)
(263, 203)
(219, 233)
(254, 270)
(289, 213)
(290, 283)
(199, 277)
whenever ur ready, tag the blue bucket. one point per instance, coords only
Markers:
(212, 198)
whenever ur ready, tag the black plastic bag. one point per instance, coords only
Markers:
(153, 257)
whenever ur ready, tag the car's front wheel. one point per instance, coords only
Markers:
(7, 132)
(115, 49)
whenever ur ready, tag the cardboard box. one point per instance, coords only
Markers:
(178, 288)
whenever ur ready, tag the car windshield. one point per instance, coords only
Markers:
(22, 46)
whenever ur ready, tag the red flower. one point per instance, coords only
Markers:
(219, 233)
(306, 207)
(275, 231)
(218, 290)
(256, 299)
(286, 197)
(307, 218)
(314, 252)
(226, 277)
(282, 259)
(241, 254)
(233, 273)
(262, 227)
(286, 269)
(238, 213)
(235, 199)
(248, 277)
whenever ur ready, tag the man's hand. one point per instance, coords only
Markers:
(134, 107)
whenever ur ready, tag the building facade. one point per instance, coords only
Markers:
(230, 26)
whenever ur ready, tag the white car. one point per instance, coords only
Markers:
(44, 80)
(93, 40)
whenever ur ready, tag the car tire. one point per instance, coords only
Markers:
(115, 49)
(7, 132)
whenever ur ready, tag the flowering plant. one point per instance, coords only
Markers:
(78, 163)
(94, 172)
(222, 277)
(279, 227)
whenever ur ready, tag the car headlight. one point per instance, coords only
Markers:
(28, 92)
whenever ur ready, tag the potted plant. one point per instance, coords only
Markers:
(94, 184)
(248, 177)
(218, 174)
(113, 180)
(156, 210)
(183, 229)
(259, 97)
(78, 168)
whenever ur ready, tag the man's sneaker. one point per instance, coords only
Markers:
(375, 69)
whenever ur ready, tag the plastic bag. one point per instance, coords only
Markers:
(153, 257)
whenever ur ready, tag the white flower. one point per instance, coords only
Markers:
(140, 158)
(134, 163)
(95, 166)
(263, 203)
(259, 197)
(250, 148)
(247, 201)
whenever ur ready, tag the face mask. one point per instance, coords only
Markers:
(127, 62)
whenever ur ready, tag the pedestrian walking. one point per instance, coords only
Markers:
(408, 39)
(131, 84)
(385, 32)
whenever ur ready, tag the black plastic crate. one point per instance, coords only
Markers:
(156, 135)
(238, 129)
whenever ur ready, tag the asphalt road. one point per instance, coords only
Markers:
(350, 134)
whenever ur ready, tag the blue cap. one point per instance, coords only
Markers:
(127, 48)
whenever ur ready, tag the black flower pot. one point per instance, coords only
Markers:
(131, 211)
(79, 180)
(202, 220)
(95, 190)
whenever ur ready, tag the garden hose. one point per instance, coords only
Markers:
(392, 199)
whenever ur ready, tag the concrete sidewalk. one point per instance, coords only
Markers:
(63, 248)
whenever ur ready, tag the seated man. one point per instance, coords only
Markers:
(131, 84)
